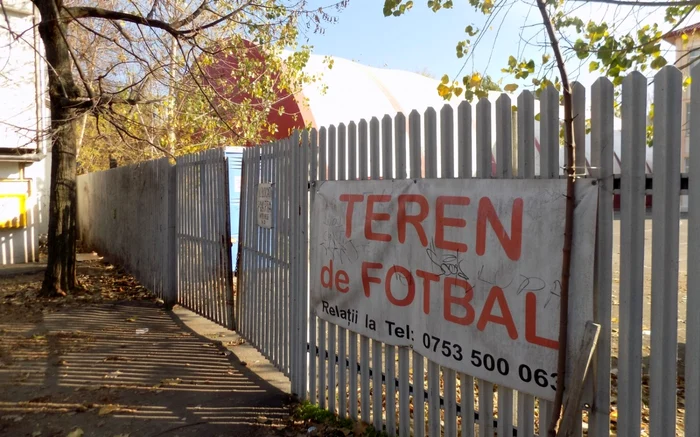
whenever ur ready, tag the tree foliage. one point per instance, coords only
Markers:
(603, 46)
(212, 83)
(128, 76)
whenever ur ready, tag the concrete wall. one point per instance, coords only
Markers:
(128, 215)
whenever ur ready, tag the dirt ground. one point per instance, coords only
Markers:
(111, 361)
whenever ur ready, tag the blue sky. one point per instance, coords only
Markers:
(418, 40)
(424, 40)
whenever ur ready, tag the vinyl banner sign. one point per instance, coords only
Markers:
(466, 272)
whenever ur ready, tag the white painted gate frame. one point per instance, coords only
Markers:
(276, 319)
(202, 233)
(269, 315)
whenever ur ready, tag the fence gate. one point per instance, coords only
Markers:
(273, 260)
(203, 236)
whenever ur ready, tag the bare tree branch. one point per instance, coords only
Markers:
(106, 100)
(153, 9)
(93, 12)
(686, 55)
(171, 28)
(88, 88)
(187, 20)
(646, 3)
(121, 131)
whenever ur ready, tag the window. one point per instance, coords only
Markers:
(687, 164)
(693, 57)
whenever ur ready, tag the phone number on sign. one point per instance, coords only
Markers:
(489, 362)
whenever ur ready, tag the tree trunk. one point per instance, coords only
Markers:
(60, 271)
(568, 224)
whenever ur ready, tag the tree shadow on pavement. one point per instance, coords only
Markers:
(128, 368)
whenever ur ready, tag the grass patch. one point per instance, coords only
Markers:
(329, 422)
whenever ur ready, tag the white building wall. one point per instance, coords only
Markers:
(24, 163)
(683, 58)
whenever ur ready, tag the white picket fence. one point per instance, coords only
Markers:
(392, 387)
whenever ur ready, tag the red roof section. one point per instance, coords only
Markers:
(669, 37)
(285, 113)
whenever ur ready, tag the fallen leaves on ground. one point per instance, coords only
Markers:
(170, 381)
(77, 432)
(113, 375)
(99, 282)
(117, 358)
(107, 409)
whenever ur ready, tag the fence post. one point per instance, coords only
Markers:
(664, 251)
(416, 167)
(632, 215)
(602, 137)
(549, 169)
(526, 170)
(464, 146)
(692, 347)
(322, 344)
(304, 265)
(313, 348)
(447, 167)
(504, 170)
(377, 346)
(171, 254)
(483, 171)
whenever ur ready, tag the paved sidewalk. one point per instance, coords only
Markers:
(36, 267)
(95, 367)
